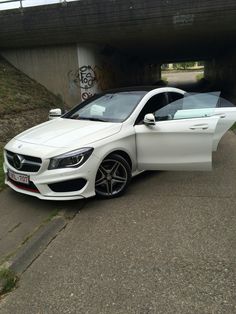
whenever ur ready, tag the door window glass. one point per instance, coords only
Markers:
(190, 106)
(153, 104)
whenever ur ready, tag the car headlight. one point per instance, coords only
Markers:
(71, 159)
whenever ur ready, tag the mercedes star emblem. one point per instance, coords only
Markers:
(18, 161)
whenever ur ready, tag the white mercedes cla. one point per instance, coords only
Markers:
(96, 148)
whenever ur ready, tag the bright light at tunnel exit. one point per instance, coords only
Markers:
(11, 4)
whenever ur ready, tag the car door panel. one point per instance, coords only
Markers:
(176, 144)
(203, 105)
(227, 117)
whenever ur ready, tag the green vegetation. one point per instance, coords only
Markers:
(1, 169)
(165, 80)
(183, 66)
(199, 76)
(8, 280)
(52, 214)
(18, 92)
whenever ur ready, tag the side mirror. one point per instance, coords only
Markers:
(54, 113)
(149, 119)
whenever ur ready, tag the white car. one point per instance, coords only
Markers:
(97, 147)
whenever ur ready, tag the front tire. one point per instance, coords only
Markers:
(113, 177)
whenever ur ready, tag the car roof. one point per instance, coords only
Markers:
(132, 89)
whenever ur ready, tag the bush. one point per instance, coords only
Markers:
(8, 280)
(199, 76)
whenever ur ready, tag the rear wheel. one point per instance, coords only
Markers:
(113, 177)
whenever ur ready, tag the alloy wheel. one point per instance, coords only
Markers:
(112, 177)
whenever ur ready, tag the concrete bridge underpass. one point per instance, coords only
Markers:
(78, 48)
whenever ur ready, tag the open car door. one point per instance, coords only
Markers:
(205, 102)
(227, 119)
(183, 144)
(185, 133)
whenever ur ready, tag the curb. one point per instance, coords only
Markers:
(31, 250)
(36, 246)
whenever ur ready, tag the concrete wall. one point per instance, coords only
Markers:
(168, 29)
(221, 72)
(78, 72)
(51, 67)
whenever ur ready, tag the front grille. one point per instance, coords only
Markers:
(28, 187)
(68, 186)
(29, 163)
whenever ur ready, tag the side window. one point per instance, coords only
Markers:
(153, 104)
(174, 96)
(175, 103)
(188, 107)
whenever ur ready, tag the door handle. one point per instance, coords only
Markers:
(199, 127)
(222, 115)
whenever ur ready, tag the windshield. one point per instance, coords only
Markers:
(111, 107)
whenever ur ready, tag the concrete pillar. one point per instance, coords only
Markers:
(99, 69)
(221, 72)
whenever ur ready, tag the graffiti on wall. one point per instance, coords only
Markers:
(87, 77)
(91, 79)
(87, 81)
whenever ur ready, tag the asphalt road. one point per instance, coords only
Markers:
(185, 80)
(167, 246)
(184, 77)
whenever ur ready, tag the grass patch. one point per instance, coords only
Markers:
(20, 93)
(2, 176)
(52, 215)
(199, 76)
(164, 79)
(8, 280)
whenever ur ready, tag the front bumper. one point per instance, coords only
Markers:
(41, 181)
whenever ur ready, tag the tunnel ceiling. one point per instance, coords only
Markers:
(166, 30)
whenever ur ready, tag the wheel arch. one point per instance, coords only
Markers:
(123, 154)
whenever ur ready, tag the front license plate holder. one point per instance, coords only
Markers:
(18, 177)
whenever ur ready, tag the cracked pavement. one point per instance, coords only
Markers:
(167, 246)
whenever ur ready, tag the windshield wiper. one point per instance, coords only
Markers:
(75, 117)
(92, 119)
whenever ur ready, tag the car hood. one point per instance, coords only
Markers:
(64, 133)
